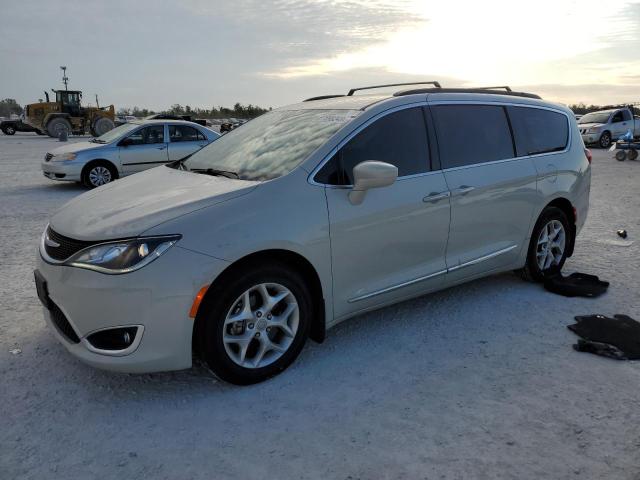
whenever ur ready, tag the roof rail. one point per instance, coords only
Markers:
(353, 90)
(322, 97)
(465, 90)
(506, 87)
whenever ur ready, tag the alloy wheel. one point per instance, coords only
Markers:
(261, 325)
(551, 245)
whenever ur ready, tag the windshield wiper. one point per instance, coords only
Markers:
(97, 140)
(215, 172)
(179, 164)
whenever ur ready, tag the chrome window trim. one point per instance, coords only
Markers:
(425, 103)
(432, 275)
(507, 104)
(310, 179)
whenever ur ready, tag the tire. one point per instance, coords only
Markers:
(98, 173)
(533, 270)
(621, 155)
(632, 155)
(233, 350)
(57, 126)
(101, 126)
(39, 132)
(9, 130)
(605, 140)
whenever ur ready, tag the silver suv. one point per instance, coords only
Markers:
(309, 215)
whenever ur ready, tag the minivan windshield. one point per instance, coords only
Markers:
(595, 117)
(117, 132)
(271, 145)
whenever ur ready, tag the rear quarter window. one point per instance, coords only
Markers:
(538, 131)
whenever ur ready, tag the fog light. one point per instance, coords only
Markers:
(113, 338)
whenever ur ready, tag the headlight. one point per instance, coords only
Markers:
(63, 157)
(593, 130)
(123, 256)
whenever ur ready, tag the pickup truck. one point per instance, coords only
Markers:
(606, 126)
(10, 127)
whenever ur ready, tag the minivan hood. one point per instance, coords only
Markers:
(590, 125)
(128, 207)
(76, 147)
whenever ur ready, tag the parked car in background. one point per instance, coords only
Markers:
(126, 149)
(10, 127)
(121, 120)
(306, 216)
(606, 126)
(188, 118)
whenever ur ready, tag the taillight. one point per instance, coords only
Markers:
(587, 153)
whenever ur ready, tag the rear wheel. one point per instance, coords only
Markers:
(57, 126)
(255, 325)
(549, 244)
(102, 126)
(98, 173)
(633, 154)
(621, 155)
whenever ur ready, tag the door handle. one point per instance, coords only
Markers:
(435, 196)
(161, 148)
(463, 190)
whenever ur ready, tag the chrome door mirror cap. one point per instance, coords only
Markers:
(371, 174)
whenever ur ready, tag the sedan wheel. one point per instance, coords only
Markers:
(261, 325)
(551, 245)
(99, 175)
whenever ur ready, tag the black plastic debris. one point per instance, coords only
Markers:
(622, 233)
(617, 337)
(574, 285)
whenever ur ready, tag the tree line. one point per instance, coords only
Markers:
(238, 111)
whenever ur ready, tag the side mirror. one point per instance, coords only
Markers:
(125, 142)
(371, 174)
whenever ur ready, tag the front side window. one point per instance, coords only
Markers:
(472, 134)
(399, 138)
(184, 133)
(626, 115)
(147, 135)
(271, 145)
(617, 117)
(538, 131)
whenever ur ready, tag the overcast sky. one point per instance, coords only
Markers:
(202, 53)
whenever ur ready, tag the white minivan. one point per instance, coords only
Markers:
(309, 215)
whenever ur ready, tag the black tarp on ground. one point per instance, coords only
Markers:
(617, 337)
(574, 285)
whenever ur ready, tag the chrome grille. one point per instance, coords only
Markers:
(66, 246)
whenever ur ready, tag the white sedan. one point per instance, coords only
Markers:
(127, 149)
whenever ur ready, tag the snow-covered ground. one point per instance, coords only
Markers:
(475, 382)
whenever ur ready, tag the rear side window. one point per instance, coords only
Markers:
(538, 131)
(471, 134)
(183, 133)
(399, 138)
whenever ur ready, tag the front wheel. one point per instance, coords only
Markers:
(605, 140)
(255, 325)
(549, 244)
(9, 130)
(98, 174)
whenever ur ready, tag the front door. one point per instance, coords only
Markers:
(492, 191)
(392, 245)
(145, 148)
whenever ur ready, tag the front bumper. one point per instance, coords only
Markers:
(157, 297)
(66, 170)
(590, 138)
